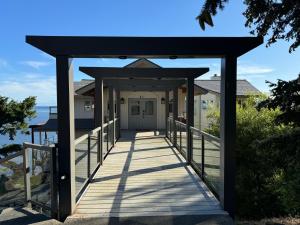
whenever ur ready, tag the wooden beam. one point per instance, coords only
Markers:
(111, 99)
(66, 135)
(228, 132)
(175, 114)
(118, 104)
(133, 72)
(99, 114)
(166, 110)
(144, 47)
(190, 117)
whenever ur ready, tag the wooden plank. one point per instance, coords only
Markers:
(146, 177)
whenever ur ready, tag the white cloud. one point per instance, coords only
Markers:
(21, 86)
(35, 64)
(244, 68)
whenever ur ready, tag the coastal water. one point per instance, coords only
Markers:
(42, 115)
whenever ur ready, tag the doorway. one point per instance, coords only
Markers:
(142, 113)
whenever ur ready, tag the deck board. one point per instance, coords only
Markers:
(143, 175)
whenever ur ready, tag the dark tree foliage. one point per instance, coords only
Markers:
(285, 95)
(278, 18)
(13, 115)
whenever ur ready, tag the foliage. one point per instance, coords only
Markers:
(286, 96)
(268, 163)
(13, 115)
(280, 18)
(7, 149)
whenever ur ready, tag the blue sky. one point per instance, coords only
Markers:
(26, 71)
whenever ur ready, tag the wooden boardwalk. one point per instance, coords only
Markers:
(144, 176)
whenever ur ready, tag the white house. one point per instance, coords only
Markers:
(145, 110)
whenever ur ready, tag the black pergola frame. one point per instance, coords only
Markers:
(64, 48)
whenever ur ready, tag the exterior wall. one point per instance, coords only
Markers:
(79, 106)
(204, 103)
(140, 94)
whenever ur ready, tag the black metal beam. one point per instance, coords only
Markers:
(228, 132)
(133, 72)
(66, 136)
(190, 117)
(144, 47)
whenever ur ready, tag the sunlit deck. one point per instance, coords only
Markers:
(144, 176)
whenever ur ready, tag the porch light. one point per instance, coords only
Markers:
(163, 100)
(122, 101)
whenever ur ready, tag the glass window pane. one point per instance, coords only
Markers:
(135, 110)
(149, 108)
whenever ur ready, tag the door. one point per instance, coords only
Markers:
(142, 114)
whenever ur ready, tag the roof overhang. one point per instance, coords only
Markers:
(144, 47)
(141, 73)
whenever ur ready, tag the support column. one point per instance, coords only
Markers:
(98, 113)
(166, 110)
(112, 111)
(189, 117)
(228, 132)
(66, 135)
(175, 114)
(118, 105)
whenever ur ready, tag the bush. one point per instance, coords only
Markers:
(265, 161)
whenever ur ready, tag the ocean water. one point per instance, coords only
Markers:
(42, 115)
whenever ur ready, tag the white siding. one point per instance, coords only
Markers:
(140, 94)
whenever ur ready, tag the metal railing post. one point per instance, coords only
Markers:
(26, 170)
(54, 180)
(180, 137)
(202, 155)
(89, 157)
(99, 142)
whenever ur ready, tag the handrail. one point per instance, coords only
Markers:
(9, 157)
(180, 123)
(211, 137)
(37, 147)
(81, 138)
(92, 132)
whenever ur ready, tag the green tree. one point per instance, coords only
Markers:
(263, 166)
(285, 95)
(279, 19)
(14, 115)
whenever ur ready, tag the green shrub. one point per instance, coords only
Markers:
(262, 168)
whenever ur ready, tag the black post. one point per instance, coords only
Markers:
(66, 135)
(190, 117)
(118, 105)
(32, 135)
(228, 132)
(167, 110)
(98, 113)
(175, 114)
(202, 155)
(112, 112)
(89, 157)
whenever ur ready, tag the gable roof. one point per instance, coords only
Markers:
(243, 87)
(144, 63)
(83, 86)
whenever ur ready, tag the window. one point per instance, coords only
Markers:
(88, 106)
(149, 108)
(204, 104)
(170, 107)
